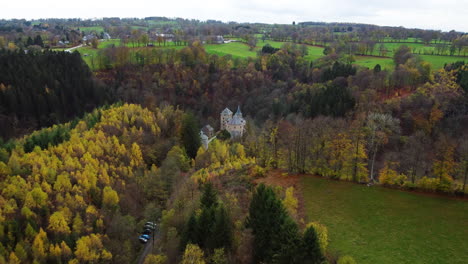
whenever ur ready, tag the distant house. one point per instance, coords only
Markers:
(165, 37)
(219, 39)
(208, 131)
(88, 37)
(106, 36)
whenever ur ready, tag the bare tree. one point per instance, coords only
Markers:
(380, 127)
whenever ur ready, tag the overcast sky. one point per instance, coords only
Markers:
(427, 14)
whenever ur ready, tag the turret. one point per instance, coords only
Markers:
(226, 116)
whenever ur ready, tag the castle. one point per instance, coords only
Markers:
(235, 125)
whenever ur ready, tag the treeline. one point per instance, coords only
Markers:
(39, 89)
(191, 78)
(413, 141)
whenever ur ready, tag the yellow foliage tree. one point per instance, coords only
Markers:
(40, 245)
(90, 249)
(58, 224)
(193, 255)
(110, 198)
(322, 235)
(290, 202)
(155, 259)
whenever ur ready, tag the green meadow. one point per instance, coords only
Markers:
(380, 225)
(438, 62)
(370, 62)
(87, 30)
(235, 49)
(241, 50)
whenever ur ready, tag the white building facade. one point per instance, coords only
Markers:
(235, 125)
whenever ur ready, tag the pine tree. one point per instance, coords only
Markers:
(205, 226)
(222, 230)
(190, 135)
(312, 250)
(271, 225)
(38, 41)
(209, 197)
(190, 235)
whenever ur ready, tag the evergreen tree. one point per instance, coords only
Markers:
(29, 42)
(312, 251)
(222, 230)
(291, 248)
(190, 235)
(190, 135)
(38, 41)
(205, 226)
(271, 226)
(209, 197)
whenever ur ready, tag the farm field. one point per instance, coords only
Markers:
(439, 61)
(236, 49)
(380, 225)
(370, 62)
(87, 30)
(241, 50)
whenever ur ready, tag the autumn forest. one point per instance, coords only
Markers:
(94, 143)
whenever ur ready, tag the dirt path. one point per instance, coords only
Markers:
(73, 48)
(153, 242)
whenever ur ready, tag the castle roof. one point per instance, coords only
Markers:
(203, 136)
(226, 111)
(208, 127)
(236, 120)
(238, 112)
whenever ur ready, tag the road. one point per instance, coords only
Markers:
(148, 247)
(71, 49)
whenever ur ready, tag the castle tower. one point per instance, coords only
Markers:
(226, 116)
(238, 112)
(236, 125)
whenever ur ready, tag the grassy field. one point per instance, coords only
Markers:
(241, 50)
(439, 61)
(379, 225)
(370, 62)
(87, 30)
(236, 49)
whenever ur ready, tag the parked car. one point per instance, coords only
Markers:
(150, 225)
(147, 231)
(144, 238)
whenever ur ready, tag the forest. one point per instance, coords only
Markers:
(88, 154)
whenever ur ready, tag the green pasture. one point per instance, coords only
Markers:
(380, 225)
(87, 30)
(242, 50)
(235, 49)
(439, 61)
(370, 62)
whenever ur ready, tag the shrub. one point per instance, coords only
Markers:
(346, 260)
(322, 234)
(391, 177)
(429, 184)
(257, 172)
